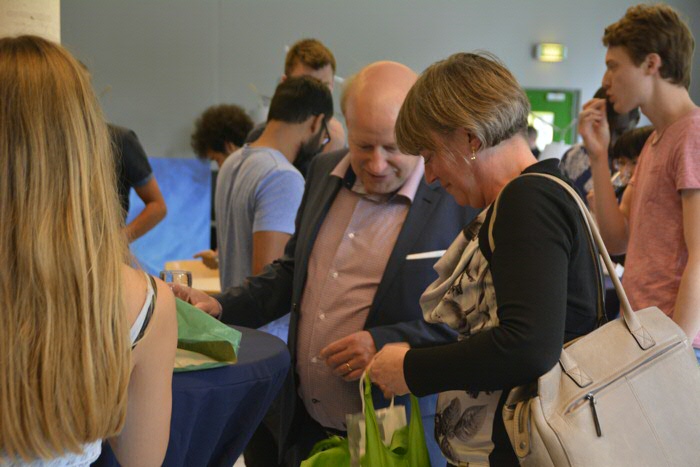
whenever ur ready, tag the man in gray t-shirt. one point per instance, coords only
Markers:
(258, 190)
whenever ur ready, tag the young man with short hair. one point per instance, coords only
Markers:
(657, 224)
(309, 57)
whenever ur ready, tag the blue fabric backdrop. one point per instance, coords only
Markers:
(186, 187)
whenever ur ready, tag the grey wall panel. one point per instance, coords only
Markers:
(164, 61)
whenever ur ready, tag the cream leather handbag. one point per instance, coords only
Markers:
(627, 394)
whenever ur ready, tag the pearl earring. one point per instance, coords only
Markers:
(473, 157)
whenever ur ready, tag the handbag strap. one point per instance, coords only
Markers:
(600, 282)
(640, 334)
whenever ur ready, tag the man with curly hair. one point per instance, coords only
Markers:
(220, 131)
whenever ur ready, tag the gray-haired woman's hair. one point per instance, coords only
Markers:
(474, 91)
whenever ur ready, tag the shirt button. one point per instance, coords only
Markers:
(334, 275)
(351, 235)
(314, 359)
(322, 316)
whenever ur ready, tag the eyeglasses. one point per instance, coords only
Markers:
(327, 138)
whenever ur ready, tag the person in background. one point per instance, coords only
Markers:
(258, 190)
(135, 172)
(575, 163)
(514, 303)
(532, 141)
(624, 155)
(219, 132)
(367, 235)
(86, 348)
(657, 223)
(309, 57)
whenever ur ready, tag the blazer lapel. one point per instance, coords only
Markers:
(423, 204)
(317, 210)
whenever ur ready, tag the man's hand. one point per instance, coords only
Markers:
(197, 298)
(349, 356)
(386, 370)
(210, 258)
(593, 127)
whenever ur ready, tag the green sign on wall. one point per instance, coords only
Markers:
(553, 114)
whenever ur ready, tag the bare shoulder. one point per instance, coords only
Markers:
(134, 292)
(163, 321)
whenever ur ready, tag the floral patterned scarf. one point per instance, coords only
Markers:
(463, 297)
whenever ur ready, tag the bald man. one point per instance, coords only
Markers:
(368, 232)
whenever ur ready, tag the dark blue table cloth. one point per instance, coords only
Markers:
(215, 412)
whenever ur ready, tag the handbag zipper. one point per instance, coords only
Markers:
(590, 397)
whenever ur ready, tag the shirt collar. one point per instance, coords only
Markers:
(343, 170)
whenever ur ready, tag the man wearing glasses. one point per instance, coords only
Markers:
(309, 57)
(259, 189)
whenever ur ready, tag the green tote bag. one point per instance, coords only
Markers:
(330, 452)
(407, 449)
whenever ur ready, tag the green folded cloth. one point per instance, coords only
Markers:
(203, 342)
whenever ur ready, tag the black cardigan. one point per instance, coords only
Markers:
(545, 282)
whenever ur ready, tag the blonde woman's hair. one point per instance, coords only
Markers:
(474, 91)
(64, 346)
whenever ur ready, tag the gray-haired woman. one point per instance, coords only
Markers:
(513, 304)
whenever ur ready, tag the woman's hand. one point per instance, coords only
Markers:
(593, 127)
(386, 369)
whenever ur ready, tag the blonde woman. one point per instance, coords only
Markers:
(513, 304)
(86, 349)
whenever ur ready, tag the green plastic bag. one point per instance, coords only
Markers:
(330, 452)
(407, 449)
(203, 342)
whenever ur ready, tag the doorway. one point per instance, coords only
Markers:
(553, 114)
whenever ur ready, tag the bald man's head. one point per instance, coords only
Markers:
(378, 81)
(371, 102)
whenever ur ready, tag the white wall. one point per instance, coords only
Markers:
(160, 63)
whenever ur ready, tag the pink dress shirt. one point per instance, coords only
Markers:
(345, 268)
